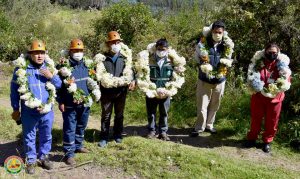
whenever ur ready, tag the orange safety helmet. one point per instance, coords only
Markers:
(76, 44)
(113, 35)
(37, 45)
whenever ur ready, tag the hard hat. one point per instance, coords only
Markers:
(113, 35)
(76, 44)
(37, 45)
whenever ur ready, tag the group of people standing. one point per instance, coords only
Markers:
(77, 81)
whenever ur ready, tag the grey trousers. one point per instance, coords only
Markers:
(163, 106)
(208, 102)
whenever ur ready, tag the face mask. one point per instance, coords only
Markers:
(217, 37)
(271, 56)
(115, 48)
(161, 54)
(77, 56)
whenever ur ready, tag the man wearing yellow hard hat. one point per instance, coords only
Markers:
(75, 98)
(115, 74)
(34, 85)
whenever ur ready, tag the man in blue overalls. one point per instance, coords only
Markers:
(161, 69)
(75, 114)
(31, 117)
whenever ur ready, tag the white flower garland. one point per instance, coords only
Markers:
(225, 60)
(106, 79)
(280, 85)
(25, 94)
(79, 95)
(143, 73)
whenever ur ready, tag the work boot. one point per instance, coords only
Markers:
(70, 161)
(30, 168)
(151, 135)
(267, 147)
(82, 150)
(164, 136)
(46, 164)
(118, 139)
(102, 143)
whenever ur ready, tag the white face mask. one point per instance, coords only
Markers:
(217, 37)
(77, 56)
(115, 48)
(162, 54)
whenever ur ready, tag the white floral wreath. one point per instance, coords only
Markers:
(106, 79)
(254, 78)
(225, 60)
(143, 73)
(79, 95)
(25, 94)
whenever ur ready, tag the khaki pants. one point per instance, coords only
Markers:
(208, 102)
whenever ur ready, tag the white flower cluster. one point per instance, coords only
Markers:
(26, 95)
(106, 79)
(280, 85)
(143, 74)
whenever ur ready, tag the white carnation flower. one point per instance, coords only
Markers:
(26, 96)
(20, 72)
(47, 108)
(22, 89)
(72, 88)
(65, 72)
(227, 62)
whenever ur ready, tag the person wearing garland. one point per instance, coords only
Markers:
(268, 79)
(164, 75)
(75, 97)
(213, 54)
(115, 74)
(33, 91)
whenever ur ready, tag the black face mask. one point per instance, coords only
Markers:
(271, 56)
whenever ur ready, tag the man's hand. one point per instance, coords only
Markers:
(16, 115)
(132, 86)
(46, 73)
(61, 107)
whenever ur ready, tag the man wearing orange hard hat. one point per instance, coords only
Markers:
(34, 86)
(75, 98)
(115, 74)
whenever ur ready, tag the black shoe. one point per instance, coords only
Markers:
(46, 164)
(195, 133)
(30, 168)
(267, 147)
(151, 135)
(249, 144)
(212, 130)
(70, 161)
(118, 139)
(164, 136)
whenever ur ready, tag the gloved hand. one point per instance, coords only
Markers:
(16, 116)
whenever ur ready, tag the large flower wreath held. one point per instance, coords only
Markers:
(25, 94)
(225, 60)
(78, 94)
(254, 77)
(106, 79)
(143, 73)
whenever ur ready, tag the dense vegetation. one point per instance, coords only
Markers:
(251, 24)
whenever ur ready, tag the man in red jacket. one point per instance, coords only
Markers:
(268, 77)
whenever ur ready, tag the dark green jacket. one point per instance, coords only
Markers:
(160, 76)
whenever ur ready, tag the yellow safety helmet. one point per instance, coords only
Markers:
(113, 35)
(37, 45)
(76, 44)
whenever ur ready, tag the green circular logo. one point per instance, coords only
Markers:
(13, 164)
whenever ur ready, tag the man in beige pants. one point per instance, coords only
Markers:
(213, 53)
